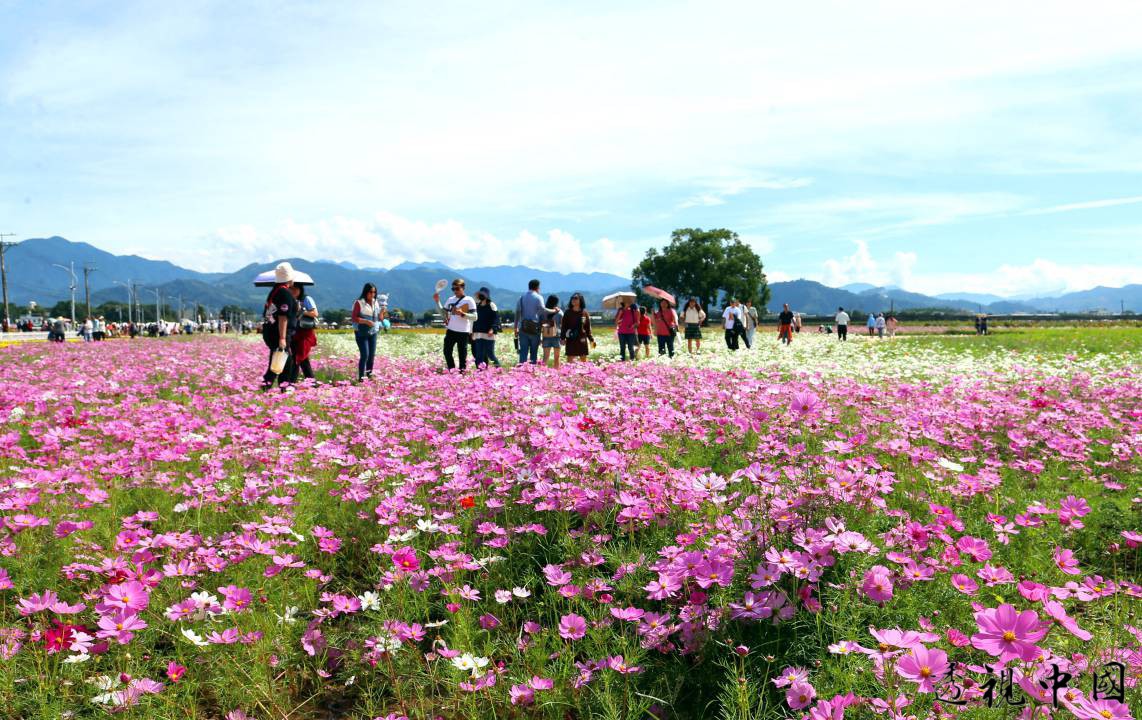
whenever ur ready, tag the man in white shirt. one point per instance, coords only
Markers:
(731, 322)
(842, 320)
(459, 312)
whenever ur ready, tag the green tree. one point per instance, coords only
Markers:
(703, 264)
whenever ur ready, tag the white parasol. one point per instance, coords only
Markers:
(612, 301)
(266, 279)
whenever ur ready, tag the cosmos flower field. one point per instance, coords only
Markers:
(822, 531)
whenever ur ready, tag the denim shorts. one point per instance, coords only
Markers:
(551, 342)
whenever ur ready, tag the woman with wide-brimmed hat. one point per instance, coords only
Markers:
(279, 322)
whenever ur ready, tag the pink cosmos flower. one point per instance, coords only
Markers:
(1009, 634)
(964, 584)
(405, 559)
(1068, 623)
(924, 667)
(523, 695)
(236, 599)
(119, 625)
(175, 671)
(572, 627)
(799, 695)
(131, 595)
(877, 584)
(1066, 561)
(1086, 709)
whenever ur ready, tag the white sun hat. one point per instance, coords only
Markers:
(283, 273)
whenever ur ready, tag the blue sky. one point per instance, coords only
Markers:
(989, 147)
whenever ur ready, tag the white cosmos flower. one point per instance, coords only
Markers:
(370, 600)
(194, 638)
(949, 465)
(521, 592)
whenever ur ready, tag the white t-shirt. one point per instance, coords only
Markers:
(731, 315)
(842, 318)
(457, 322)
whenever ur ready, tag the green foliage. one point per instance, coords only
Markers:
(704, 264)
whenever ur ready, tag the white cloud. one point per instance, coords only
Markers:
(863, 267)
(1038, 278)
(717, 190)
(1087, 205)
(888, 213)
(389, 239)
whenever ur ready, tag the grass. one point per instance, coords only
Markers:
(269, 457)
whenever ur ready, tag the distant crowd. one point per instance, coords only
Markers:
(562, 331)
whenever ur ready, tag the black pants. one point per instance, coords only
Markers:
(454, 339)
(842, 332)
(305, 368)
(288, 374)
(740, 330)
(666, 343)
(732, 339)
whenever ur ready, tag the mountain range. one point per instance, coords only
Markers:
(32, 276)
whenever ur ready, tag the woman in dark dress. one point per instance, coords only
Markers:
(576, 330)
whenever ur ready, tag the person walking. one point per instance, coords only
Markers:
(880, 325)
(87, 330)
(842, 321)
(644, 331)
(871, 324)
(693, 316)
(575, 329)
(279, 322)
(366, 319)
(665, 327)
(484, 330)
(731, 322)
(752, 319)
(552, 330)
(459, 312)
(626, 325)
(891, 324)
(983, 324)
(529, 313)
(305, 338)
(785, 325)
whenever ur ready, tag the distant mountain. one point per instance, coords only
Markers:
(409, 285)
(420, 266)
(814, 298)
(1098, 299)
(517, 276)
(968, 297)
(32, 275)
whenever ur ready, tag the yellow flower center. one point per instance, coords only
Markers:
(1105, 713)
(1008, 636)
(925, 671)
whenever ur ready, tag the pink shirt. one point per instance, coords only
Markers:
(627, 320)
(664, 321)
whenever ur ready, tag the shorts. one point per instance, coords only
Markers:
(693, 331)
(551, 342)
(644, 339)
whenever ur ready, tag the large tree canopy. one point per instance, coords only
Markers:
(702, 264)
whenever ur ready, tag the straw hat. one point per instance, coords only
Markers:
(283, 273)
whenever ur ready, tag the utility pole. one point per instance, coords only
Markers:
(4, 245)
(130, 300)
(87, 270)
(138, 303)
(70, 267)
(158, 306)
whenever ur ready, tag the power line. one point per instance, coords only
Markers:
(4, 245)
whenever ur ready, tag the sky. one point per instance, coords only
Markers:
(940, 147)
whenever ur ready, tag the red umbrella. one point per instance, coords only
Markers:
(660, 294)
